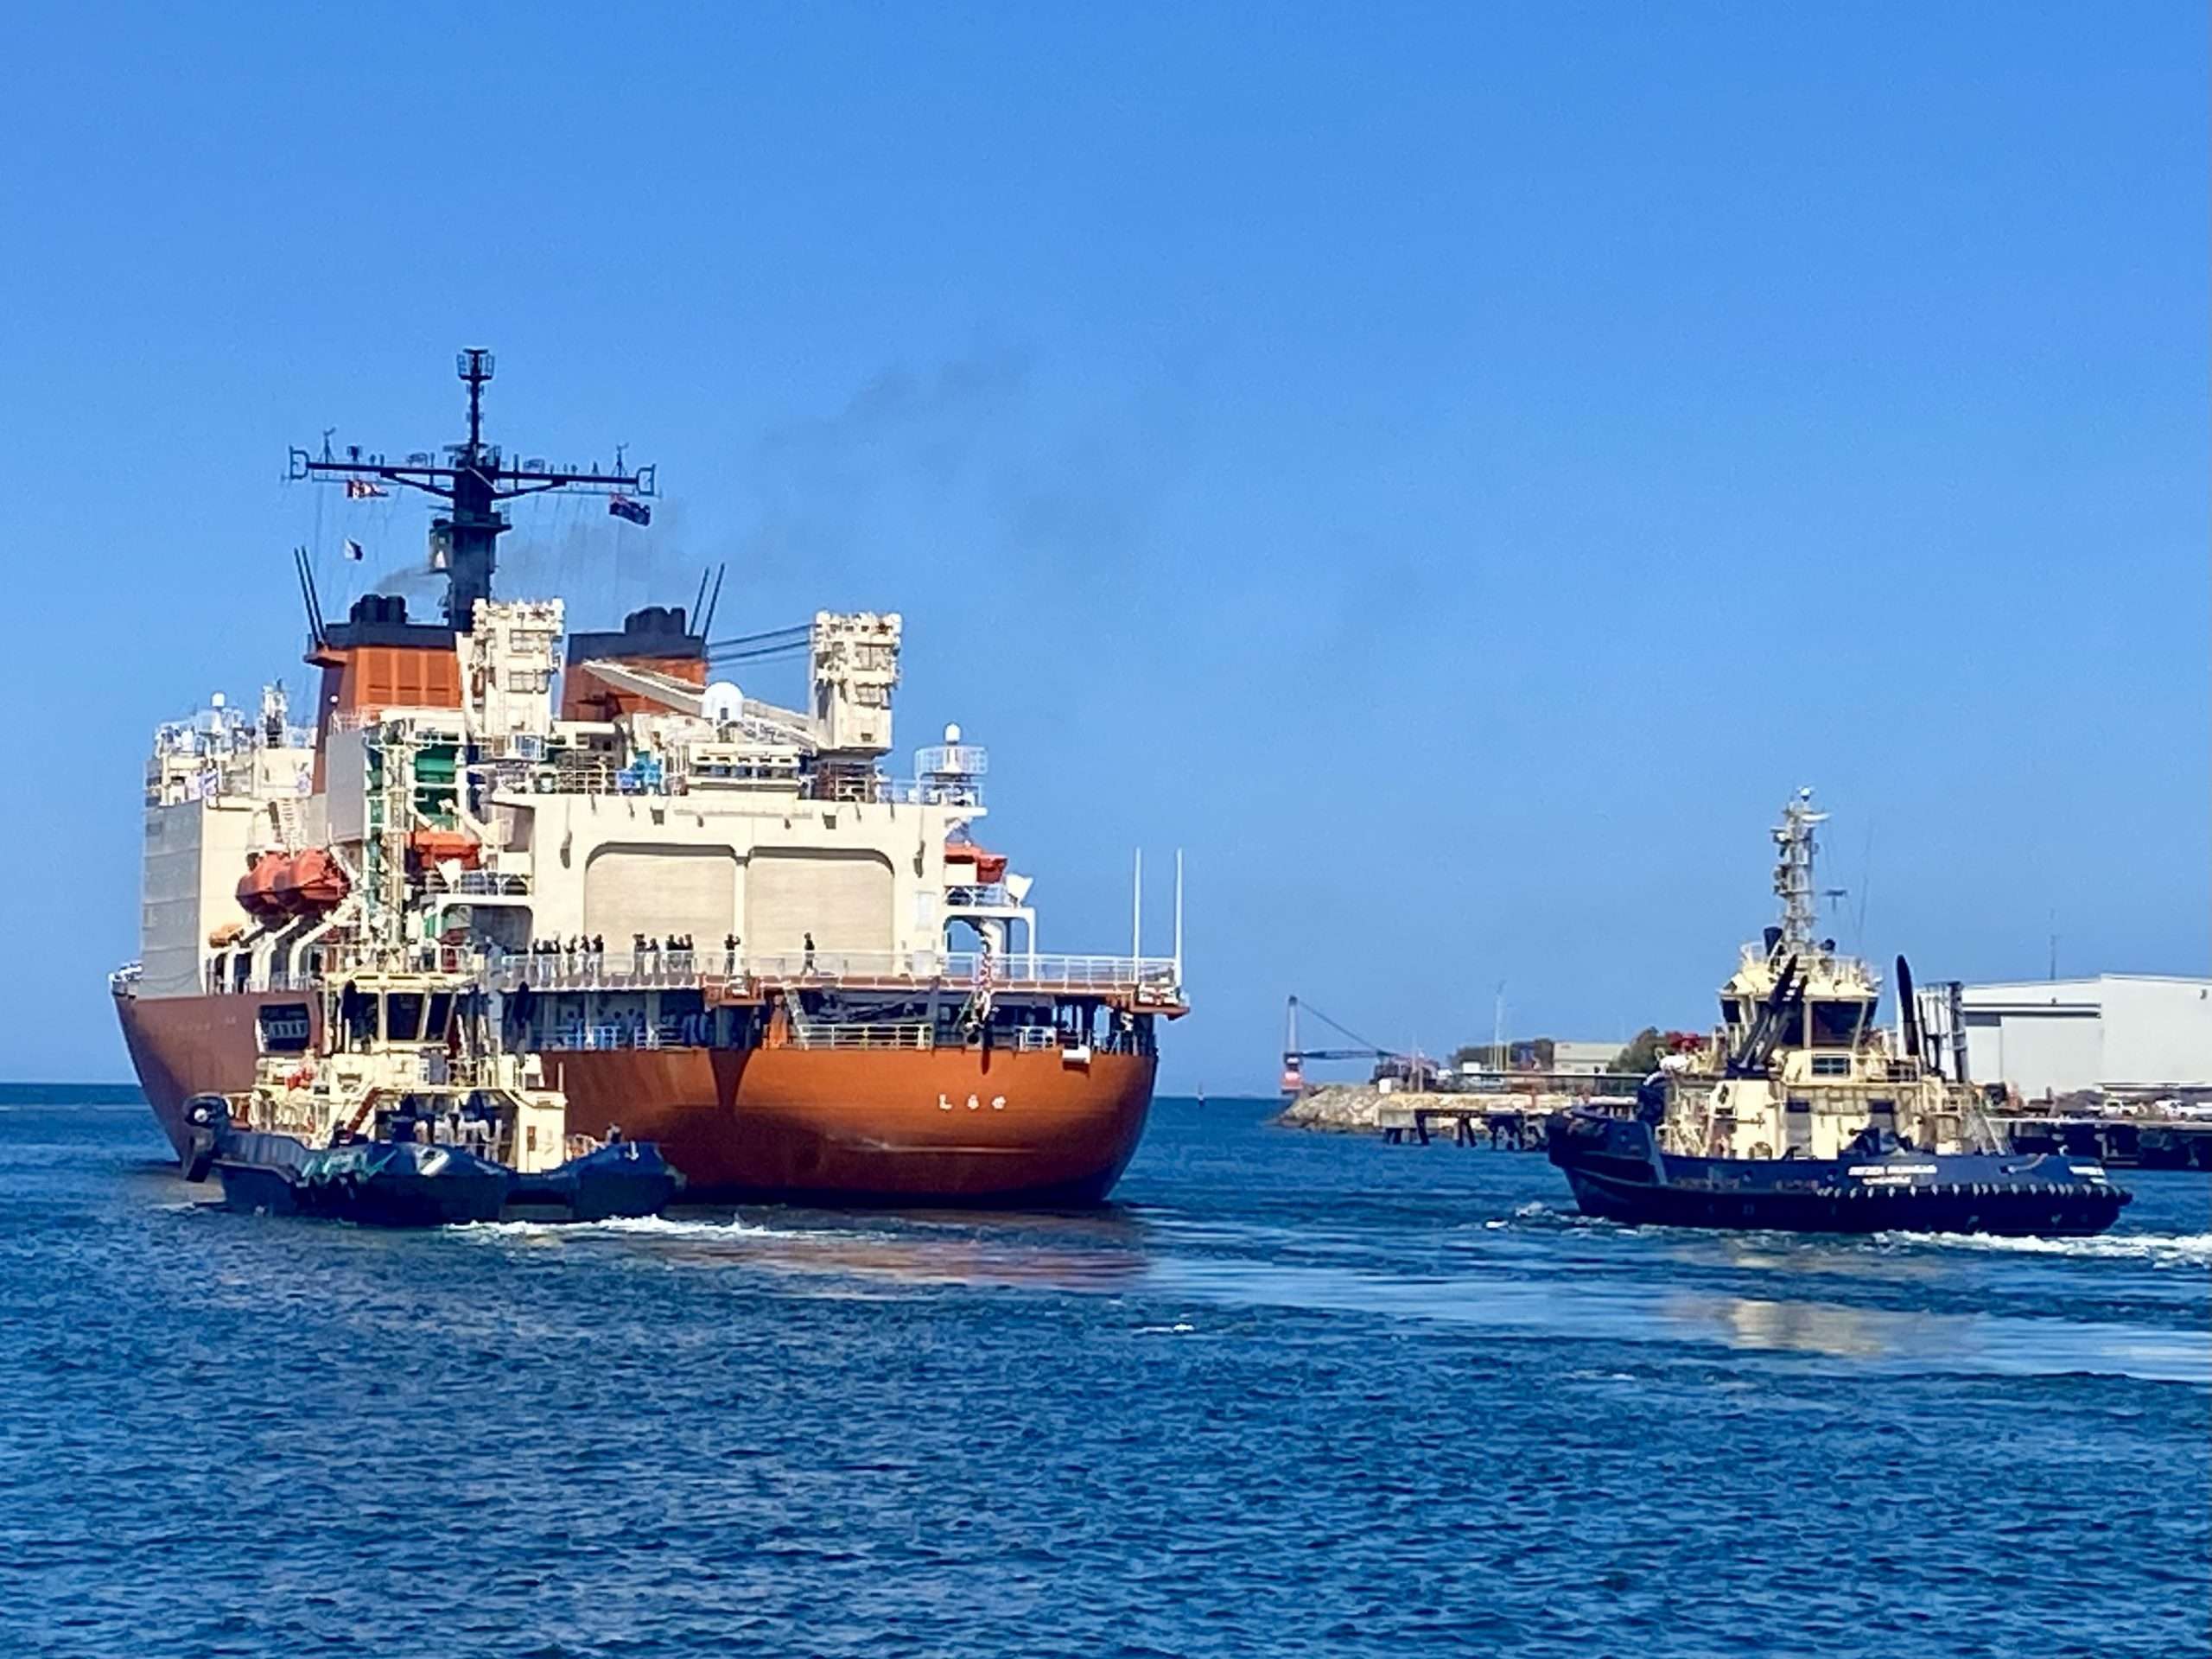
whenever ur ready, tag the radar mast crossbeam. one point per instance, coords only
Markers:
(477, 479)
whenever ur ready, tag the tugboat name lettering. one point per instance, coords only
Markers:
(974, 1103)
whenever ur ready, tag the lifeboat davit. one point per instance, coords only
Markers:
(300, 884)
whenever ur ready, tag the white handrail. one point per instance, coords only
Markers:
(624, 969)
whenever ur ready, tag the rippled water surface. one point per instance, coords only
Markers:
(1292, 1394)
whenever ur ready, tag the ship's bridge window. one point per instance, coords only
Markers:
(1833, 1025)
(1732, 1012)
(441, 1015)
(403, 1017)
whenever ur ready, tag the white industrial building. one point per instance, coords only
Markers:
(2127, 1034)
(1585, 1060)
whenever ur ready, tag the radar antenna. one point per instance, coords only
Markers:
(475, 479)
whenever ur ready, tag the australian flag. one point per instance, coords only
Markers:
(628, 506)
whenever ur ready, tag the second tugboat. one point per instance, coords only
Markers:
(1800, 1114)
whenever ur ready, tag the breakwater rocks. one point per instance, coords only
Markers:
(1348, 1107)
(1504, 1118)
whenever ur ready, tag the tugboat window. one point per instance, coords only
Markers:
(403, 1017)
(1831, 1065)
(1835, 1025)
(358, 1017)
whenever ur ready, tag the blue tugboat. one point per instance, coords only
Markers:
(410, 1115)
(1801, 1115)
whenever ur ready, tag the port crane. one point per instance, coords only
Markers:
(1294, 1056)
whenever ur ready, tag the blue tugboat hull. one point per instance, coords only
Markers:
(628, 1179)
(1618, 1172)
(379, 1184)
(406, 1184)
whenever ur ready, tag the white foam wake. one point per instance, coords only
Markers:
(660, 1226)
(2160, 1249)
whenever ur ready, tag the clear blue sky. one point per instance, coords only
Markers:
(1452, 469)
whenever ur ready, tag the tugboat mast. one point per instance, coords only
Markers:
(1793, 873)
(465, 542)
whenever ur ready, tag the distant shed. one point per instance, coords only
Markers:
(2124, 1033)
(1583, 1058)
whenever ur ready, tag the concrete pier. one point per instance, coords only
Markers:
(1502, 1126)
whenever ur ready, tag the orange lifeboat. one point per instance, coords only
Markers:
(430, 847)
(257, 888)
(277, 886)
(310, 883)
(990, 868)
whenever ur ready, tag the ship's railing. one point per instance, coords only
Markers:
(233, 780)
(624, 967)
(1149, 979)
(611, 970)
(417, 958)
(479, 884)
(1005, 970)
(607, 1033)
(239, 738)
(516, 777)
(910, 791)
(221, 979)
(900, 1035)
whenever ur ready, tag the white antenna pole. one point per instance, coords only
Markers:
(1136, 915)
(1179, 917)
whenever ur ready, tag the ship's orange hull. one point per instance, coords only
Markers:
(917, 1125)
(186, 1045)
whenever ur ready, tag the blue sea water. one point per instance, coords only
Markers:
(1292, 1394)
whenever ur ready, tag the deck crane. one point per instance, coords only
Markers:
(1294, 1056)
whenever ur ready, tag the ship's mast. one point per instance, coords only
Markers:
(474, 480)
(1793, 873)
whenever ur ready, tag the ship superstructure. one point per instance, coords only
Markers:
(717, 922)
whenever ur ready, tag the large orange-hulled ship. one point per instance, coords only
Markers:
(718, 922)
